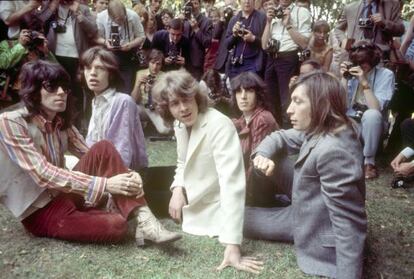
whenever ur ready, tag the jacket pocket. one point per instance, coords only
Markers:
(327, 240)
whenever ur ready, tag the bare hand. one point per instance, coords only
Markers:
(395, 164)
(405, 169)
(180, 60)
(177, 203)
(126, 184)
(24, 37)
(264, 165)
(126, 47)
(236, 28)
(286, 17)
(232, 257)
(249, 37)
(378, 19)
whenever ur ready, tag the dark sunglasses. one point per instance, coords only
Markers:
(53, 87)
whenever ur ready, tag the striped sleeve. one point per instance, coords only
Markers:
(17, 143)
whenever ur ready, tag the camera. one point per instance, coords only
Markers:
(237, 61)
(58, 27)
(400, 181)
(188, 10)
(151, 79)
(228, 13)
(114, 37)
(35, 40)
(242, 30)
(304, 54)
(347, 74)
(365, 23)
(173, 55)
(139, 58)
(278, 12)
(273, 47)
(359, 111)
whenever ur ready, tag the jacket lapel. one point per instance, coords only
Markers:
(307, 147)
(197, 134)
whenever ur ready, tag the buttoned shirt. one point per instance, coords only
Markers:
(300, 18)
(100, 108)
(382, 83)
(42, 156)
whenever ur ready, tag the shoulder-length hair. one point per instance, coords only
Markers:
(250, 81)
(33, 75)
(182, 84)
(108, 60)
(328, 102)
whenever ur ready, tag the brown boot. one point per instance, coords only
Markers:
(149, 228)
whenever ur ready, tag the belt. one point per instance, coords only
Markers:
(287, 53)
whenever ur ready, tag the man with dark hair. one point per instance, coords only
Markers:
(370, 88)
(199, 30)
(375, 20)
(52, 201)
(115, 116)
(174, 46)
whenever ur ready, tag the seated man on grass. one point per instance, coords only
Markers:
(52, 201)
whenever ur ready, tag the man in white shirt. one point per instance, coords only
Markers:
(289, 27)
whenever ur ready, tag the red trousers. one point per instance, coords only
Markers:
(67, 218)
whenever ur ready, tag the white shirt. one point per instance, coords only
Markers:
(7, 9)
(65, 42)
(300, 18)
(101, 105)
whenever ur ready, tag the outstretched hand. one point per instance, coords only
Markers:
(232, 257)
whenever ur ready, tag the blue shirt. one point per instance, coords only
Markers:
(382, 82)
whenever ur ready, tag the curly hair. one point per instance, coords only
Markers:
(33, 75)
(182, 84)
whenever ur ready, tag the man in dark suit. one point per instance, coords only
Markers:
(199, 30)
(374, 20)
(174, 46)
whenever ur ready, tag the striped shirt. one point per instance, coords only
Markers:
(43, 157)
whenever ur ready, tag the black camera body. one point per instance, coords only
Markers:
(400, 181)
(151, 79)
(114, 37)
(228, 13)
(278, 12)
(272, 47)
(35, 40)
(188, 10)
(304, 54)
(359, 111)
(347, 74)
(58, 27)
(365, 23)
(242, 30)
(237, 61)
(173, 55)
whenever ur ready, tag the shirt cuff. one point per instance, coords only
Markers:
(96, 190)
(407, 152)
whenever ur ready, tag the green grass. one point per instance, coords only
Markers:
(389, 246)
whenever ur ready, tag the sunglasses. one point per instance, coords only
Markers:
(53, 87)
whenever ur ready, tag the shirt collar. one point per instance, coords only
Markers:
(107, 95)
(47, 126)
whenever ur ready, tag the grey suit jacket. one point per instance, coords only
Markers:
(326, 220)
(347, 26)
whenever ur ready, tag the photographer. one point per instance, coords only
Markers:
(199, 30)
(121, 32)
(142, 95)
(370, 88)
(287, 30)
(375, 20)
(243, 38)
(30, 46)
(174, 46)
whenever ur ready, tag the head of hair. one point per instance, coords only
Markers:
(321, 26)
(213, 81)
(168, 12)
(156, 55)
(327, 100)
(32, 76)
(116, 9)
(176, 24)
(365, 52)
(313, 63)
(142, 13)
(182, 84)
(109, 61)
(250, 81)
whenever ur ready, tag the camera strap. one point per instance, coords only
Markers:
(249, 28)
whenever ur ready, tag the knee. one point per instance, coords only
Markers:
(371, 116)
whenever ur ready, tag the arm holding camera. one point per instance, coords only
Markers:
(14, 18)
(301, 34)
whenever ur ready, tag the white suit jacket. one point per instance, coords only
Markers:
(210, 167)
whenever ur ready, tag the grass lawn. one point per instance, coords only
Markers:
(389, 253)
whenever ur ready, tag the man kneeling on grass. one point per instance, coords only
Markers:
(54, 202)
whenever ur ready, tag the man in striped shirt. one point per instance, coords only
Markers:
(51, 201)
